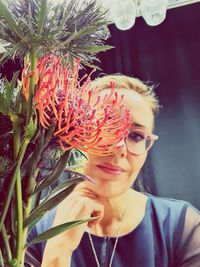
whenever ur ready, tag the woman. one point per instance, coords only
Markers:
(130, 228)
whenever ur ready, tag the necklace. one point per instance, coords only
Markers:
(115, 244)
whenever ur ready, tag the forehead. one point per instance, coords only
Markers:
(140, 109)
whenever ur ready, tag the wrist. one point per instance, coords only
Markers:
(59, 243)
(63, 260)
(56, 254)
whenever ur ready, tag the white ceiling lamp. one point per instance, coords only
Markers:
(122, 13)
(179, 3)
(153, 11)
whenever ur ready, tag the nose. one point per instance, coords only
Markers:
(121, 150)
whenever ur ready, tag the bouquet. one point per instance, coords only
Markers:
(54, 113)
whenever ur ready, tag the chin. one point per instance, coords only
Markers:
(108, 189)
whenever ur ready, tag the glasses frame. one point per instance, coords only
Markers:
(148, 136)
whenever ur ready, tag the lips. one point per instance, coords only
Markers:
(109, 168)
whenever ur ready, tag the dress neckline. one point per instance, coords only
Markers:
(132, 231)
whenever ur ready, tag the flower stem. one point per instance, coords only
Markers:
(9, 197)
(13, 180)
(19, 218)
(27, 211)
(33, 59)
(19, 200)
(1, 259)
(16, 134)
(7, 245)
(22, 233)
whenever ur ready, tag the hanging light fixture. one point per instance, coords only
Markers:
(153, 11)
(122, 13)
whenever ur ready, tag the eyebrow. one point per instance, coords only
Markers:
(138, 125)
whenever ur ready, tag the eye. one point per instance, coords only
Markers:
(136, 136)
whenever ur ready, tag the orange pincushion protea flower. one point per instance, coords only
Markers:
(85, 120)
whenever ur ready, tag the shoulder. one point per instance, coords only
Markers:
(177, 223)
(168, 206)
(168, 213)
(172, 215)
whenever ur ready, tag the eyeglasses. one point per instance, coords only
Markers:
(139, 141)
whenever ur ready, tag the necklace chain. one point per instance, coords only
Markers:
(95, 254)
(114, 247)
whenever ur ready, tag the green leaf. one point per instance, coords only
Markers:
(92, 66)
(13, 263)
(51, 27)
(33, 222)
(48, 205)
(57, 230)
(5, 97)
(76, 157)
(26, 28)
(13, 179)
(63, 15)
(33, 169)
(65, 184)
(95, 48)
(81, 14)
(42, 16)
(49, 133)
(31, 129)
(36, 156)
(14, 79)
(8, 93)
(5, 13)
(8, 54)
(55, 174)
(81, 34)
(36, 199)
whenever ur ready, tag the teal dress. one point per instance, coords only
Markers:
(167, 236)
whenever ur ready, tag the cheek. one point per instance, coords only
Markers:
(90, 163)
(136, 163)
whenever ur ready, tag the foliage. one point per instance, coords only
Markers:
(68, 27)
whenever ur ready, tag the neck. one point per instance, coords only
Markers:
(114, 207)
(117, 212)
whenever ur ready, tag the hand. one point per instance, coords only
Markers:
(82, 203)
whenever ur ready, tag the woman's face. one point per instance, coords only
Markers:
(116, 173)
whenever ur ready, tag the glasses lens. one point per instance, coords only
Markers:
(137, 142)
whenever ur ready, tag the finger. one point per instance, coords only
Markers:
(84, 186)
(94, 221)
(87, 192)
(96, 218)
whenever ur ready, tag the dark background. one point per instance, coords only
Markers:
(168, 55)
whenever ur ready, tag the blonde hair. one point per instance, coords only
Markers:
(126, 82)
